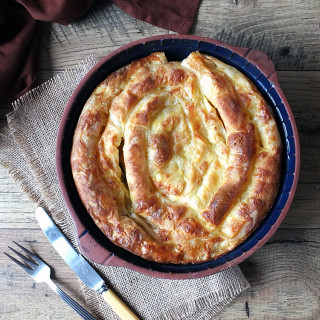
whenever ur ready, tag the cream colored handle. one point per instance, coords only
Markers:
(118, 306)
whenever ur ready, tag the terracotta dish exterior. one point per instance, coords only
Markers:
(260, 70)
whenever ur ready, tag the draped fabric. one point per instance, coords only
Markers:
(20, 21)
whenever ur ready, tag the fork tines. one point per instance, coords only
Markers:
(40, 272)
(29, 264)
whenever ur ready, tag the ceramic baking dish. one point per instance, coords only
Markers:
(256, 66)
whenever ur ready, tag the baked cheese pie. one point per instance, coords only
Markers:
(177, 162)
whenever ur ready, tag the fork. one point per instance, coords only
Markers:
(40, 272)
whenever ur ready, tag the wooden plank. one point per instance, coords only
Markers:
(16, 211)
(103, 29)
(284, 277)
(302, 92)
(288, 31)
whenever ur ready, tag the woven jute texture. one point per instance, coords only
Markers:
(28, 153)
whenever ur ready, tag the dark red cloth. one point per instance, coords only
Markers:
(18, 43)
(174, 15)
(19, 30)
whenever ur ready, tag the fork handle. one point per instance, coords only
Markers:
(73, 304)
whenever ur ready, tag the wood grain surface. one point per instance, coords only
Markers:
(284, 274)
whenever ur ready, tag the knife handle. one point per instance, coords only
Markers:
(118, 306)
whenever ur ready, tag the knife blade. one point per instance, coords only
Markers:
(80, 266)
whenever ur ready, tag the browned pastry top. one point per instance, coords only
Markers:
(177, 161)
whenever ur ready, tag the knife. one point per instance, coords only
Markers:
(80, 266)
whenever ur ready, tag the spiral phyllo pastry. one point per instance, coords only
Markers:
(177, 161)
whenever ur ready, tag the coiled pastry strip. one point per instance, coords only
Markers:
(177, 162)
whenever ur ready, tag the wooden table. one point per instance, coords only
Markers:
(284, 274)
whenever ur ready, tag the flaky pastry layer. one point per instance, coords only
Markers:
(177, 161)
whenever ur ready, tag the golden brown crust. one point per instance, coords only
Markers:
(177, 162)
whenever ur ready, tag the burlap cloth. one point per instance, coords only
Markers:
(28, 153)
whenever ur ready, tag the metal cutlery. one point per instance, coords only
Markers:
(40, 272)
(80, 266)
